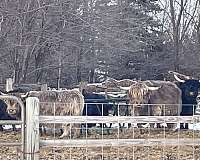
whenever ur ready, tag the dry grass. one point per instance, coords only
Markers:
(111, 153)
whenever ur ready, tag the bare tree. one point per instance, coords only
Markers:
(179, 23)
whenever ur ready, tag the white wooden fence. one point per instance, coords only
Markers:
(33, 142)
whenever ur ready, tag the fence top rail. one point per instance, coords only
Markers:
(3, 122)
(120, 142)
(104, 103)
(119, 119)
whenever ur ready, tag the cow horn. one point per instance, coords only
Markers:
(178, 79)
(125, 88)
(182, 75)
(150, 82)
(152, 88)
(25, 95)
(3, 94)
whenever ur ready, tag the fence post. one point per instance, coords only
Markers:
(9, 84)
(32, 129)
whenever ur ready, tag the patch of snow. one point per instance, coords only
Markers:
(7, 127)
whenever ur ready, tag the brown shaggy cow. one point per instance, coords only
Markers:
(155, 98)
(67, 102)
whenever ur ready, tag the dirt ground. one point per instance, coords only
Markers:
(110, 153)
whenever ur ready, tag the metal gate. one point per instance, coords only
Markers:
(21, 122)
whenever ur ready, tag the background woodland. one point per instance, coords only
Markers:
(64, 42)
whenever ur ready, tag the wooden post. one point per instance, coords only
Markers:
(32, 129)
(9, 84)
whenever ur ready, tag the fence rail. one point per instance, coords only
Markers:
(119, 119)
(119, 142)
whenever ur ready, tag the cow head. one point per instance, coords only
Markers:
(13, 108)
(189, 88)
(139, 92)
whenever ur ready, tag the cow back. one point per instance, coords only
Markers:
(169, 95)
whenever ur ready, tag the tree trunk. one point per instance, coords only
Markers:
(91, 76)
(78, 69)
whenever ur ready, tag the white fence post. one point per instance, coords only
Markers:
(32, 129)
(9, 84)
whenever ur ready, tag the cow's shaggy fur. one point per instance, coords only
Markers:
(166, 100)
(59, 103)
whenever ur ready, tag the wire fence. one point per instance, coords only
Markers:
(108, 132)
(103, 135)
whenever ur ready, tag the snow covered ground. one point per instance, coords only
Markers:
(8, 127)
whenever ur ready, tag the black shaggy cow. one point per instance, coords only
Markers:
(190, 88)
(96, 105)
(4, 115)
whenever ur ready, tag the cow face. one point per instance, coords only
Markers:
(139, 93)
(190, 90)
(13, 108)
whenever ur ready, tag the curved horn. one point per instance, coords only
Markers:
(152, 88)
(125, 88)
(178, 79)
(150, 82)
(127, 80)
(25, 95)
(3, 94)
(179, 74)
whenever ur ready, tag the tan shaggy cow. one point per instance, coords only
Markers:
(64, 103)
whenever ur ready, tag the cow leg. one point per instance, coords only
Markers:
(181, 125)
(1, 128)
(81, 129)
(66, 130)
(13, 128)
(156, 110)
(186, 126)
(42, 130)
(120, 127)
(102, 126)
(107, 129)
(77, 130)
(158, 125)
